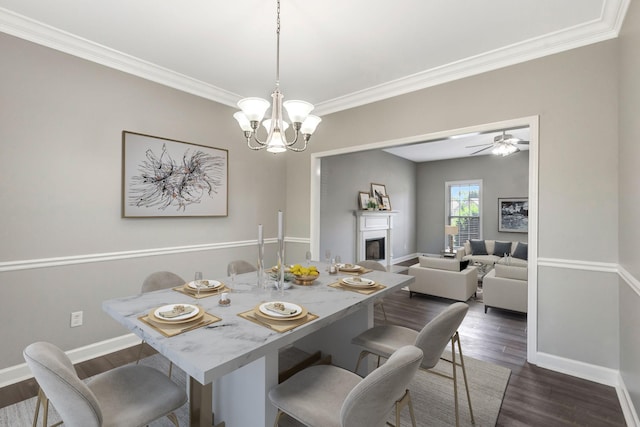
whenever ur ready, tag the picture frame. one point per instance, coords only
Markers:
(363, 199)
(513, 214)
(386, 203)
(164, 177)
(377, 191)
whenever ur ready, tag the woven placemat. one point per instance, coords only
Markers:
(365, 291)
(184, 289)
(277, 325)
(179, 328)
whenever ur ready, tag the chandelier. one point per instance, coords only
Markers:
(254, 109)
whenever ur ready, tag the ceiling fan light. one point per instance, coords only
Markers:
(310, 124)
(297, 110)
(253, 108)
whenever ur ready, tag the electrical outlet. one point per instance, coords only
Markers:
(76, 319)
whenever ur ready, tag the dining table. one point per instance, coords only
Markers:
(231, 355)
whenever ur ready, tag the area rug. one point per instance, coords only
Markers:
(431, 394)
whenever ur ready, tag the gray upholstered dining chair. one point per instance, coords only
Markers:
(155, 282)
(131, 395)
(383, 340)
(375, 265)
(241, 266)
(329, 396)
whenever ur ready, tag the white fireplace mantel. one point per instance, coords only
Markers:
(374, 225)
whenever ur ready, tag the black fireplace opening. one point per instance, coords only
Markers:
(374, 249)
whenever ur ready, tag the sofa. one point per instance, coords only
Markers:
(443, 277)
(506, 287)
(492, 252)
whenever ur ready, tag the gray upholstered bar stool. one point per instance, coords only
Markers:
(329, 396)
(131, 395)
(375, 265)
(383, 340)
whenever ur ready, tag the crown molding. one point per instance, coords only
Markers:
(606, 27)
(54, 38)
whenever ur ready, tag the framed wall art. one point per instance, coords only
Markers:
(386, 203)
(513, 215)
(167, 178)
(363, 199)
(377, 191)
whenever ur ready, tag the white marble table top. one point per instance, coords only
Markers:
(208, 353)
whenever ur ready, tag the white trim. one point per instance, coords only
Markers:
(17, 373)
(533, 123)
(45, 35)
(629, 411)
(605, 28)
(114, 256)
(605, 267)
(576, 368)
(633, 283)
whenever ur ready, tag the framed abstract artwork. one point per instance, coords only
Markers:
(167, 178)
(513, 215)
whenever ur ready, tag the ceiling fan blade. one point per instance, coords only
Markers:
(478, 145)
(523, 142)
(481, 150)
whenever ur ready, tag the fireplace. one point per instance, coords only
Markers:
(374, 249)
(373, 236)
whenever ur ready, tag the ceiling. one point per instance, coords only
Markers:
(456, 146)
(335, 54)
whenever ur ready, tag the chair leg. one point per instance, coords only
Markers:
(38, 403)
(363, 354)
(464, 374)
(384, 313)
(455, 381)
(170, 368)
(174, 419)
(140, 352)
(280, 413)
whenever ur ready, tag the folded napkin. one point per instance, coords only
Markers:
(279, 308)
(178, 310)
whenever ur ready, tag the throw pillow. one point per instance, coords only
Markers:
(464, 265)
(522, 251)
(502, 248)
(478, 247)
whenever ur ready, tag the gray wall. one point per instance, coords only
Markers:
(575, 95)
(629, 231)
(60, 139)
(501, 177)
(343, 177)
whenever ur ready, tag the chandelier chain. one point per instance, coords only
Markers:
(278, 46)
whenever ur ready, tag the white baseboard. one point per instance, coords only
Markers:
(629, 411)
(14, 374)
(404, 258)
(598, 374)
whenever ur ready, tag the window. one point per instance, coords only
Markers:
(464, 209)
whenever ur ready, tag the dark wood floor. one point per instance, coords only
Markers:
(534, 396)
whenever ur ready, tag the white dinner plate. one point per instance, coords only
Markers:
(288, 305)
(211, 284)
(349, 267)
(170, 307)
(359, 282)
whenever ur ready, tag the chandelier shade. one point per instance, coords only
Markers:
(254, 109)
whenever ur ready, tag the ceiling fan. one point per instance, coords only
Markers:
(502, 145)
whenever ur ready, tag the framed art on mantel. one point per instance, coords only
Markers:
(513, 215)
(363, 199)
(377, 191)
(167, 178)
